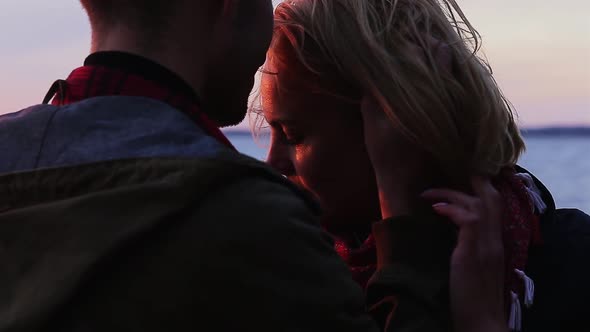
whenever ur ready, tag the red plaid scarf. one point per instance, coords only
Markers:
(520, 230)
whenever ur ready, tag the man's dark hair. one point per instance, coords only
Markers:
(139, 14)
(148, 18)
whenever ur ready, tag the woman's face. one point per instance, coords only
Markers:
(317, 142)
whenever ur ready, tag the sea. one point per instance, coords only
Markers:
(561, 162)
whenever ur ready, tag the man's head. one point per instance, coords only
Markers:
(146, 19)
(214, 45)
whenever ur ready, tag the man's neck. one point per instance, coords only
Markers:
(187, 64)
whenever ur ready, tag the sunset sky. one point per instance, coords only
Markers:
(539, 50)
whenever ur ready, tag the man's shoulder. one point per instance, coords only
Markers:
(32, 115)
(247, 182)
(21, 136)
(191, 218)
(26, 111)
(98, 129)
(108, 102)
(241, 195)
(560, 271)
(568, 229)
(193, 179)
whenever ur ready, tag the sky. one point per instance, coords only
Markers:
(539, 51)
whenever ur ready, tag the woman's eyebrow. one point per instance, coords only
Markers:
(275, 122)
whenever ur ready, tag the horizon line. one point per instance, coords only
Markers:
(583, 127)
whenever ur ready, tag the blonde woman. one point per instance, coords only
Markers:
(373, 104)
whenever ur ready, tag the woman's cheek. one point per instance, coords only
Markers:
(307, 167)
(313, 165)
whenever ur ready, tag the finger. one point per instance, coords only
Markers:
(492, 204)
(456, 213)
(464, 220)
(448, 196)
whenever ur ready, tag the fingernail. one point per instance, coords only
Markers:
(437, 205)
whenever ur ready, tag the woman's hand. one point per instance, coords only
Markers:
(477, 263)
(398, 165)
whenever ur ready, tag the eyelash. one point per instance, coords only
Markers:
(292, 141)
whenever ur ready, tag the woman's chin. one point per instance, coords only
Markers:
(343, 213)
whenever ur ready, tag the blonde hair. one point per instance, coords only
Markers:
(418, 60)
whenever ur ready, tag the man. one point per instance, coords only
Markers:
(124, 208)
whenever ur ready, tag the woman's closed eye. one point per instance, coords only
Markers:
(292, 137)
(286, 134)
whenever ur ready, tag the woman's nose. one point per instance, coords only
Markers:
(279, 158)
